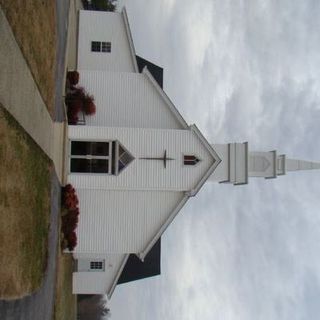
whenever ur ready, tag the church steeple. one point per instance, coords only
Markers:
(238, 164)
(296, 165)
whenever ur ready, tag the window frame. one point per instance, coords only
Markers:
(112, 157)
(106, 46)
(92, 157)
(101, 46)
(97, 265)
(95, 46)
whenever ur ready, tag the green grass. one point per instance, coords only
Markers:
(24, 210)
(66, 302)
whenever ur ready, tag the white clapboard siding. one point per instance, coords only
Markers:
(221, 174)
(104, 27)
(121, 221)
(126, 100)
(146, 174)
(98, 282)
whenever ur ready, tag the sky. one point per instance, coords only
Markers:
(241, 71)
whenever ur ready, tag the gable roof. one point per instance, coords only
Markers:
(165, 98)
(187, 194)
(156, 71)
(214, 155)
(113, 286)
(135, 269)
(130, 39)
(162, 229)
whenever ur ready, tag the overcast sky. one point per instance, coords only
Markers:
(241, 71)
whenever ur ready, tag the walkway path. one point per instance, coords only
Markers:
(20, 95)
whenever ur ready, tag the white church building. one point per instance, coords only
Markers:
(136, 162)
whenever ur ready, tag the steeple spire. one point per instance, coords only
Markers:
(238, 164)
(296, 165)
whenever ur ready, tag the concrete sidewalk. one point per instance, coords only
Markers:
(71, 54)
(19, 94)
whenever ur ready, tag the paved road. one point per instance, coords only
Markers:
(39, 306)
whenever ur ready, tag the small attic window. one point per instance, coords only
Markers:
(190, 160)
(98, 46)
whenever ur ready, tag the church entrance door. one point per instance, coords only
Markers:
(90, 157)
(109, 157)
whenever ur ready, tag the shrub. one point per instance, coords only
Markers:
(69, 224)
(75, 105)
(74, 108)
(72, 240)
(70, 220)
(74, 212)
(71, 202)
(69, 198)
(78, 100)
(76, 94)
(73, 77)
(73, 118)
(79, 93)
(89, 107)
(67, 188)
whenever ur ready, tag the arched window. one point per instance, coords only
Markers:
(190, 160)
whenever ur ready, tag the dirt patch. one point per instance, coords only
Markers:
(33, 23)
(24, 210)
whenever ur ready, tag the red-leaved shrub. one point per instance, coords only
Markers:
(73, 77)
(74, 101)
(71, 202)
(67, 188)
(72, 240)
(74, 212)
(79, 100)
(70, 219)
(89, 107)
(69, 224)
(73, 118)
(69, 198)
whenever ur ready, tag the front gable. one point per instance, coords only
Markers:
(128, 212)
(144, 173)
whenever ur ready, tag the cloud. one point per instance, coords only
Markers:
(242, 71)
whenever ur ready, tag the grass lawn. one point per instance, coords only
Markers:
(24, 210)
(33, 23)
(66, 302)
